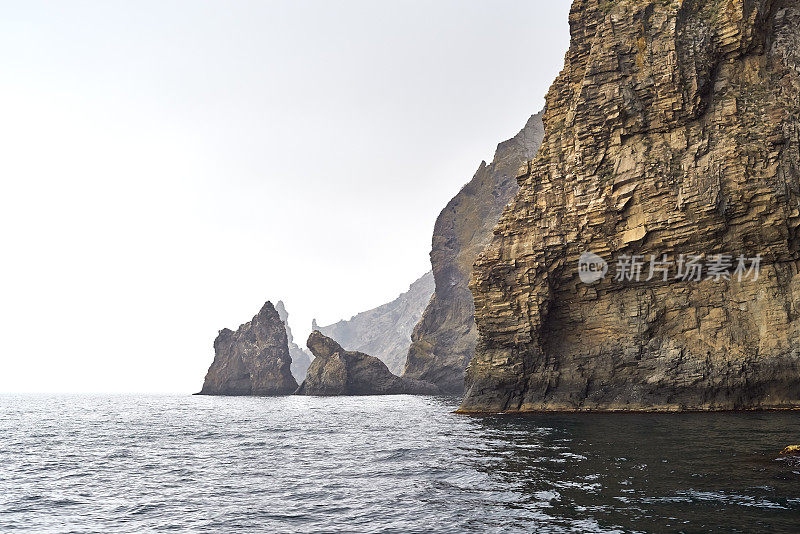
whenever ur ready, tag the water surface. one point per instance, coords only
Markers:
(99, 464)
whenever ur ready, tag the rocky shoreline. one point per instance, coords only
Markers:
(443, 341)
(670, 138)
(671, 130)
(336, 371)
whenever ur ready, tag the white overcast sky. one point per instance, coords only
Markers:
(167, 166)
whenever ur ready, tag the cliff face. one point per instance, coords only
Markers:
(254, 360)
(444, 339)
(672, 129)
(336, 371)
(385, 331)
(300, 358)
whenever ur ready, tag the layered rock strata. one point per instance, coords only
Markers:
(254, 360)
(443, 341)
(336, 371)
(672, 129)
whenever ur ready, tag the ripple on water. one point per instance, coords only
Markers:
(383, 464)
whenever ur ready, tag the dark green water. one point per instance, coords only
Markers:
(98, 464)
(658, 473)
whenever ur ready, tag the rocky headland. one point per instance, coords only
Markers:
(444, 340)
(336, 371)
(674, 128)
(253, 360)
(385, 331)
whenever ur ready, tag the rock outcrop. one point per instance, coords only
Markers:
(254, 360)
(672, 129)
(791, 450)
(385, 331)
(300, 358)
(443, 341)
(336, 371)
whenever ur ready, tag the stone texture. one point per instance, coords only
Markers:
(301, 359)
(673, 128)
(444, 339)
(791, 450)
(385, 331)
(336, 371)
(254, 360)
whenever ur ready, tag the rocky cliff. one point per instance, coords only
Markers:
(254, 360)
(336, 371)
(444, 339)
(385, 331)
(300, 358)
(672, 130)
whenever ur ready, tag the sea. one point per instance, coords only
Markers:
(388, 464)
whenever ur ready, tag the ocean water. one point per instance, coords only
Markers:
(102, 464)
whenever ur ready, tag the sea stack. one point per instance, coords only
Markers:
(336, 371)
(385, 331)
(443, 341)
(254, 360)
(672, 130)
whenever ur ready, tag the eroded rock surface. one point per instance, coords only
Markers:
(673, 128)
(254, 360)
(336, 371)
(385, 331)
(300, 358)
(443, 341)
(791, 450)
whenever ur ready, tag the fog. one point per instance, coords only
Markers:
(168, 166)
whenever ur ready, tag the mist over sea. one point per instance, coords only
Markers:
(99, 464)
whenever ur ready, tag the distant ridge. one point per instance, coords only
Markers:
(385, 331)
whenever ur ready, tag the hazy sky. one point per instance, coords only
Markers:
(167, 166)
